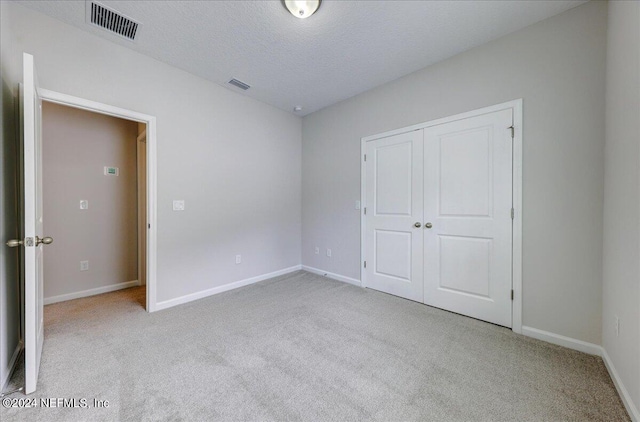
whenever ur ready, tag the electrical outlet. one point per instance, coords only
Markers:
(238, 259)
(178, 205)
(84, 265)
(317, 250)
(617, 322)
(329, 253)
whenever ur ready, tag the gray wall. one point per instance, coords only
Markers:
(621, 281)
(9, 285)
(234, 160)
(76, 146)
(558, 67)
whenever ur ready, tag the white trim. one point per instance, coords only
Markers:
(516, 234)
(363, 208)
(516, 262)
(622, 391)
(478, 112)
(333, 276)
(150, 121)
(77, 102)
(152, 212)
(560, 340)
(225, 287)
(90, 292)
(141, 186)
(11, 366)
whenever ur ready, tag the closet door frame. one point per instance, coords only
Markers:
(516, 252)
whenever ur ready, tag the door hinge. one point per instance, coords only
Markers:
(513, 213)
(365, 264)
(513, 132)
(365, 157)
(149, 225)
(365, 210)
(512, 294)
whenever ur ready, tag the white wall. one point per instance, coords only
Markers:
(76, 146)
(558, 67)
(234, 160)
(9, 287)
(621, 275)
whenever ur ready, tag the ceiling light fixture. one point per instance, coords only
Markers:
(302, 9)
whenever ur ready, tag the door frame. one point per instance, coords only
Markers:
(516, 241)
(141, 141)
(151, 146)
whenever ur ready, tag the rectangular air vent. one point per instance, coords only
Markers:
(111, 20)
(239, 84)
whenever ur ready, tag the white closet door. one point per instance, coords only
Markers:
(468, 200)
(394, 192)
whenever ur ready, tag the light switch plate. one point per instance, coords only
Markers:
(84, 204)
(357, 205)
(178, 205)
(84, 265)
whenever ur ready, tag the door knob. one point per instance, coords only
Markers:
(14, 242)
(418, 225)
(428, 225)
(46, 240)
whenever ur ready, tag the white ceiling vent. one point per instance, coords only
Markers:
(115, 22)
(239, 84)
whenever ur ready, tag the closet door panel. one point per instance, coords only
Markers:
(394, 201)
(467, 203)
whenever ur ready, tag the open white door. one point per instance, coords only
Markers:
(32, 178)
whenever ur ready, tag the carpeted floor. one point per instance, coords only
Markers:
(303, 347)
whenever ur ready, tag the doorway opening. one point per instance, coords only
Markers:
(141, 211)
(94, 204)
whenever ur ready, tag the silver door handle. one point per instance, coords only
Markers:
(418, 225)
(428, 225)
(46, 240)
(14, 243)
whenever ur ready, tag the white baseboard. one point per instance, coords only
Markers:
(90, 292)
(592, 349)
(226, 287)
(571, 343)
(8, 371)
(333, 276)
(632, 409)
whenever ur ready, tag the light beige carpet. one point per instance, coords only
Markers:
(302, 347)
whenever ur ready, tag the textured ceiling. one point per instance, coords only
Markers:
(346, 48)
